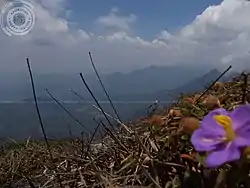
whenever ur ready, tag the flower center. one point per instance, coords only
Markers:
(226, 123)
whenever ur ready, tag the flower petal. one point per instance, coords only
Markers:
(210, 134)
(209, 123)
(206, 140)
(224, 154)
(240, 116)
(242, 135)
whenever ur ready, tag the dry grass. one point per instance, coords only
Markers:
(157, 153)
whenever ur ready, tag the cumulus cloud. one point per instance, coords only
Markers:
(218, 37)
(223, 31)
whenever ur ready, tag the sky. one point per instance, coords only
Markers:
(124, 35)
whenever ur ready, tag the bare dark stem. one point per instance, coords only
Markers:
(91, 140)
(82, 144)
(101, 131)
(37, 109)
(70, 114)
(114, 137)
(69, 129)
(77, 94)
(97, 103)
(104, 89)
(211, 85)
(244, 88)
(40, 118)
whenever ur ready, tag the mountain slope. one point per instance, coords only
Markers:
(192, 86)
(143, 81)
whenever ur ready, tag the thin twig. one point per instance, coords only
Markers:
(77, 94)
(129, 131)
(69, 129)
(91, 139)
(82, 145)
(114, 137)
(37, 109)
(101, 135)
(211, 85)
(117, 120)
(68, 112)
(104, 89)
(98, 104)
(40, 118)
(244, 88)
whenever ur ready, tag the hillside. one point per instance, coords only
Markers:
(153, 151)
(194, 85)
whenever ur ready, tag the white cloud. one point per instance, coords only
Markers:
(218, 37)
(113, 20)
(223, 30)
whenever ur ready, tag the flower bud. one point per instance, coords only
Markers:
(156, 120)
(189, 100)
(201, 98)
(218, 86)
(211, 102)
(175, 113)
(189, 124)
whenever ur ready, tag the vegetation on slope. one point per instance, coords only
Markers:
(152, 152)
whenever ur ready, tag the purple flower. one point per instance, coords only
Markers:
(222, 134)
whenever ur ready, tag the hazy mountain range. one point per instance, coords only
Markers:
(146, 84)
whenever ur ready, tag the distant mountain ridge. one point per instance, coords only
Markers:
(148, 84)
(148, 80)
(136, 85)
(194, 85)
